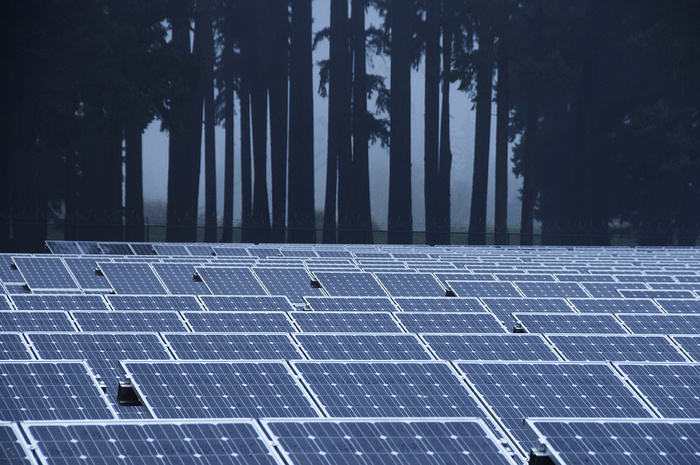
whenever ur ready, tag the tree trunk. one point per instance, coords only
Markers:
(442, 234)
(400, 227)
(502, 105)
(279, 33)
(207, 35)
(482, 136)
(301, 216)
(133, 198)
(432, 120)
(229, 165)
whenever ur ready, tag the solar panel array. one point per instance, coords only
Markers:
(294, 354)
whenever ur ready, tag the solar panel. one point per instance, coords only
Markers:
(4, 302)
(672, 388)
(656, 294)
(517, 390)
(350, 284)
(676, 323)
(35, 321)
(63, 247)
(59, 302)
(295, 283)
(351, 304)
(219, 389)
(609, 290)
(239, 322)
(154, 302)
(115, 248)
(171, 249)
(490, 347)
(439, 304)
(345, 322)
(247, 303)
(680, 305)
(45, 273)
(89, 248)
(629, 347)
(636, 278)
(178, 278)
(38, 390)
(200, 250)
(504, 307)
(463, 276)
(13, 448)
(362, 346)
(537, 277)
(566, 323)
(437, 322)
(13, 347)
(230, 280)
(690, 344)
(230, 252)
(128, 321)
(550, 289)
(465, 441)
(411, 284)
(132, 278)
(232, 346)
(264, 252)
(388, 389)
(600, 305)
(582, 278)
(623, 442)
(151, 441)
(483, 289)
(83, 269)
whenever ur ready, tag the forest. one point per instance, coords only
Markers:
(597, 111)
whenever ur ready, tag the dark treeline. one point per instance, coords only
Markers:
(596, 102)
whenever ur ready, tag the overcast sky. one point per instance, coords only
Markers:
(155, 152)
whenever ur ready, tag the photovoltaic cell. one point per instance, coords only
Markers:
(178, 278)
(362, 346)
(13, 449)
(551, 289)
(388, 389)
(553, 323)
(4, 302)
(45, 273)
(690, 345)
(129, 321)
(610, 290)
(345, 322)
(483, 289)
(672, 388)
(171, 249)
(623, 442)
(350, 284)
(63, 247)
(38, 390)
(83, 269)
(657, 294)
(295, 283)
(132, 278)
(239, 322)
(13, 347)
(680, 305)
(351, 304)
(601, 305)
(143, 249)
(233, 389)
(153, 441)
(436, 322)
(247, 303)
(518, 390)
(463, 276)
(439, 304)
(418, 441)
(616, 348)
(35, 321)
(676, 323)
(231, 346)
(411, 284)
(490, 347)
(59, 302)
(154, 302)
(230, 280)
(115, 248)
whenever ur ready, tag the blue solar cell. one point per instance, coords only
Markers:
(417, 441)
(295, 283)
(13, 448)
(637, 278)
(363, 346)
(13, 347)
(45, 273)
(622, 442)
(388, 389)
(677, 323)
(690, 344)
(615, 306)
(171, 249)
(35, 321)
(504, 307)
(148, 442)
(231, 346)
(680, 305)
(672, 388)
(436, 322)
(583, 278)
(129, 321)
(59, 302)
(239, 322)
(518, 390)
(439, 304)
(4, 302)
(178, 278)
(142, 248)
(610, 290)
(345, 322)
(38, 390)
(351, 304)
(132, 278)
(547, 289)
(656, 294)
(350, 284)
(483, 289)
(154, 302)
(565, 323)
(234, 389)
(230, 280)
(83, 269)
(463, 276)
(523, 277)
(247, 303)
(115, 248)
(89, 248)
(616, 348)
(490, 347)
(411, 284)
